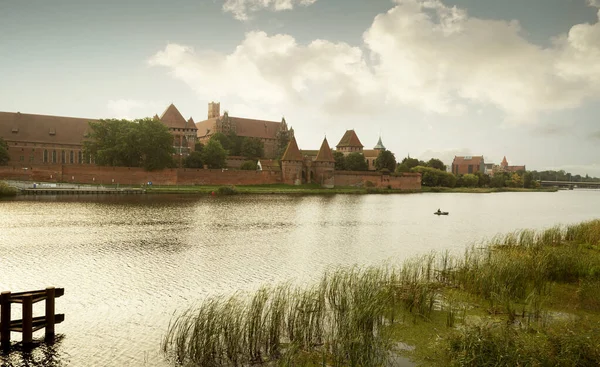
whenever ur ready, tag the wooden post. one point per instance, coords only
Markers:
(5, 319)
(27, 319)
(50, 312)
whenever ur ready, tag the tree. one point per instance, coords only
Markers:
(214, 155)
(437, 164)
(385, 159)
(470, 180)
(4, 156)
(484, 180)
(249, 166)
(225, 142)
(340, 161)
(141, 143)
(198, 147)
(194, 160)
(435, 177)
(252, 148)
(499, 180)
(356, 162)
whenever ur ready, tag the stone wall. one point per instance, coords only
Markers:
(137, 176)
(407, 181)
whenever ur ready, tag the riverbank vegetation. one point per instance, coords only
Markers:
(6, 190)
(525, 298)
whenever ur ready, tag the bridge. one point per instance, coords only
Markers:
(571, 184)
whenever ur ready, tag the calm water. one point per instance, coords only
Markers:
(128, 263)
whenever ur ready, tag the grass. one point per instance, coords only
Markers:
(6, 190)
(526, 298)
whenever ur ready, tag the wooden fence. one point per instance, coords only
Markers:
(28, 324)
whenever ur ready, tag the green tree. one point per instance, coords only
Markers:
(156, 144)
(484, 180)
(225, 142)
(356, 162)
(528, 181)
(385, 159)
(437, 164)
(141, 143)
(194, 160)
(499, 180)
(249, 166)
(198, 147)
(252, 148)
(214, 155)
(515, 180)
(434, 177)
(4, 156)
(470, 180)
(340, 161)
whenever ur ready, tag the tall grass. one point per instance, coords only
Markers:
(6, 190)
(344, 319)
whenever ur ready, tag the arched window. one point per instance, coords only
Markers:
(45, 157)
(54, 156)
(63, 158)
(71, 157)
(80, 157)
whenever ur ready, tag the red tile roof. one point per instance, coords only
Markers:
(23, 127)
(174, 120)
(350, 139)
(475, 160)
(244, 127)
(292, 153)
(325, 154)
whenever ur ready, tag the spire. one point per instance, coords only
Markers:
(292, 153)
(379, 145)
(324, 154)
(504, 162)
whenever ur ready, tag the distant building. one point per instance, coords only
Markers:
(504, 167)
(468, 164)
(267, 131)
(350, 143)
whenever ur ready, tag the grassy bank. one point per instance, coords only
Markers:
(486, 190)
(526, 298)
(6, 190)
(307, 189)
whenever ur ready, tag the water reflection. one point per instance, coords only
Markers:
(127, 263)
(41, 353)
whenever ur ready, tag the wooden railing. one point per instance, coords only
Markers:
(28, 324)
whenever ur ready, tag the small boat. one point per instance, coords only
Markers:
(440, 213)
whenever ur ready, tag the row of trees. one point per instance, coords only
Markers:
(4, 157)
(214, 154)
(357, 162)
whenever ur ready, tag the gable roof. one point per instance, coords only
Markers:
(23, 127)
(350, 139)
(292, 153)
(173, 118)
(468, 160)
(325, 154)
(244, 127)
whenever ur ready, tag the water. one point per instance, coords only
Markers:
(127, 263)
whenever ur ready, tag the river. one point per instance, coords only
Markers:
(127, 263)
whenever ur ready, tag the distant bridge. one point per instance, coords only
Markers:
(571, 184)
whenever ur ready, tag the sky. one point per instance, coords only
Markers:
(434, 78)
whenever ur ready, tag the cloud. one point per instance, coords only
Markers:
(594, 3)
(130, 109)
(241, 9)
(595, 135)
(421, 53)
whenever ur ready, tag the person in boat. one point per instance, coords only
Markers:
(439, 211)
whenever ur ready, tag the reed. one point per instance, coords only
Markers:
(346, 318)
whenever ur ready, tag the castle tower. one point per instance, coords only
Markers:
(291, 164)
(350, 143)
(379, 145)
(504, 163)
(214, 110)
(324, 166)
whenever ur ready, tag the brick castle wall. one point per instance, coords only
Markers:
(407, 181)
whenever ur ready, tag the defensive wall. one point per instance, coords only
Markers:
(90, 174)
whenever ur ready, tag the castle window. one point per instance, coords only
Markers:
(22, 158)
(31, 158)
(45, 157)
(63, 158)
(71, 157)
(80, 157)
(54, 156)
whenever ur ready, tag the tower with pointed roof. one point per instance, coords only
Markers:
(504, 163)
(379, 145)
(184, 132)
(323, 167)
(350, 143)
(292, 164)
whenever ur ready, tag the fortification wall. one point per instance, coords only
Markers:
(407, 181)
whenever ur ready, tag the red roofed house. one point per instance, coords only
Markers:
(504, 167)
(266, 131)
(468, 164)
(184, 132)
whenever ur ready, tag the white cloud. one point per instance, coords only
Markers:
(131, 109)
(421, 53)
(595, 3)
(241, 9)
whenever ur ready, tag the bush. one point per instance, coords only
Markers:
(369, 184)
(432, 177)
(249, 166)
(6, 190)
(227, 190)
